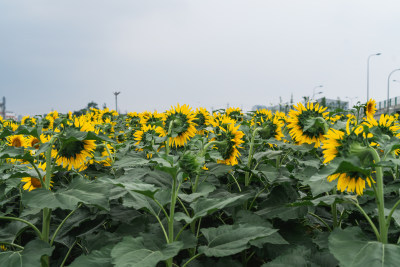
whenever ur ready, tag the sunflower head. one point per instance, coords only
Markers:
(190, 164)
(229, 140)
(235, 114)
(17, 140)
(202, 119)
(179, 125)
(353, 182)
(260, 116)
(29, 121)
(370, 108)
(74, 153)
(308, 124)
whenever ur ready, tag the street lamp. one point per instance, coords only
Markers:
(313, 93)
(388, 86)
(377, 54)
(116, 105)
(351, 100)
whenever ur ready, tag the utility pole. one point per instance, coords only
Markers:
(3, 108)
(116, 103)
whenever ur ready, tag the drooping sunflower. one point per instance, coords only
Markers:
(47, 123)
(146, 135)
(31, 183)
(332, 143)
(370, 108)
(179, 121)
(298, 118)
(271, 127)
(17, 140)
(351, 181)
(230, 139)
(133, 120)
(76, 153)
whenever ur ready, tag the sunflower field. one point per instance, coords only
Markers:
(189, 188)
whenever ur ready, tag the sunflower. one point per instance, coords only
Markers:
(234, 113)
(133, 120)
(298, 119)
(17, 140)
(387, 124)
(75, 154)
(333, 142)
(351, 181)
(30, 121)
(230, 139)
(106, 161)
(47, 123)
(271, 127)
(203, 119)
(179, 121)
(370, 108)
(149, 118)
(260, 116)
(32, 183)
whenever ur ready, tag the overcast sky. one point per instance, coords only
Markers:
(63, 54)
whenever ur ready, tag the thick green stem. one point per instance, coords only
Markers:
(62, 223)
(334, 213)
(171, 216)
(380, 197)
(167, 148)
(202, 153)
(251, 152)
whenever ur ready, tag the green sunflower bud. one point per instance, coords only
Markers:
(190, 164)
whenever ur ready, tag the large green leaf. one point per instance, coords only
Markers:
(202, 191)
(28, 257)
(140, 252)
(317, 180)
(78, 191)
(352, 248)
(293, 257)
(231, 239)
(95, 258)
(205, 206)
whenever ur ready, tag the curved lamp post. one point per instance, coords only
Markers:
(313, 92)
(388, 86)
(377, 54)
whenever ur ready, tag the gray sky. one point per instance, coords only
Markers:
(63, 54)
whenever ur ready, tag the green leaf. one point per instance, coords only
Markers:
(29, 257)
(78, 191)
(16, 153)
(317, 181)
(291, 257)
(352, 248)
(140, 252)
(205, 206)
(231, 239)
(202, 191)
(95, 258)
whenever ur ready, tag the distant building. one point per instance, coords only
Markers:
(394, 106)
(333, 104)
(10, 116)
(257, 107)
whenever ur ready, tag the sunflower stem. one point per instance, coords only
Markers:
(389, 217)
(62, 223)
(39, 234)
(11, 244)
(383, 230)
(167, 148)
(251, 152)
(378, 236)
(334, 212)
(38, 172)
(171, 215)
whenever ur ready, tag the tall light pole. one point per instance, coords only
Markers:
(313, 92)
(388, 86)
(377, 54)
(116, 103)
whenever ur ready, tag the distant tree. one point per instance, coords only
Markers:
(80, 112)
